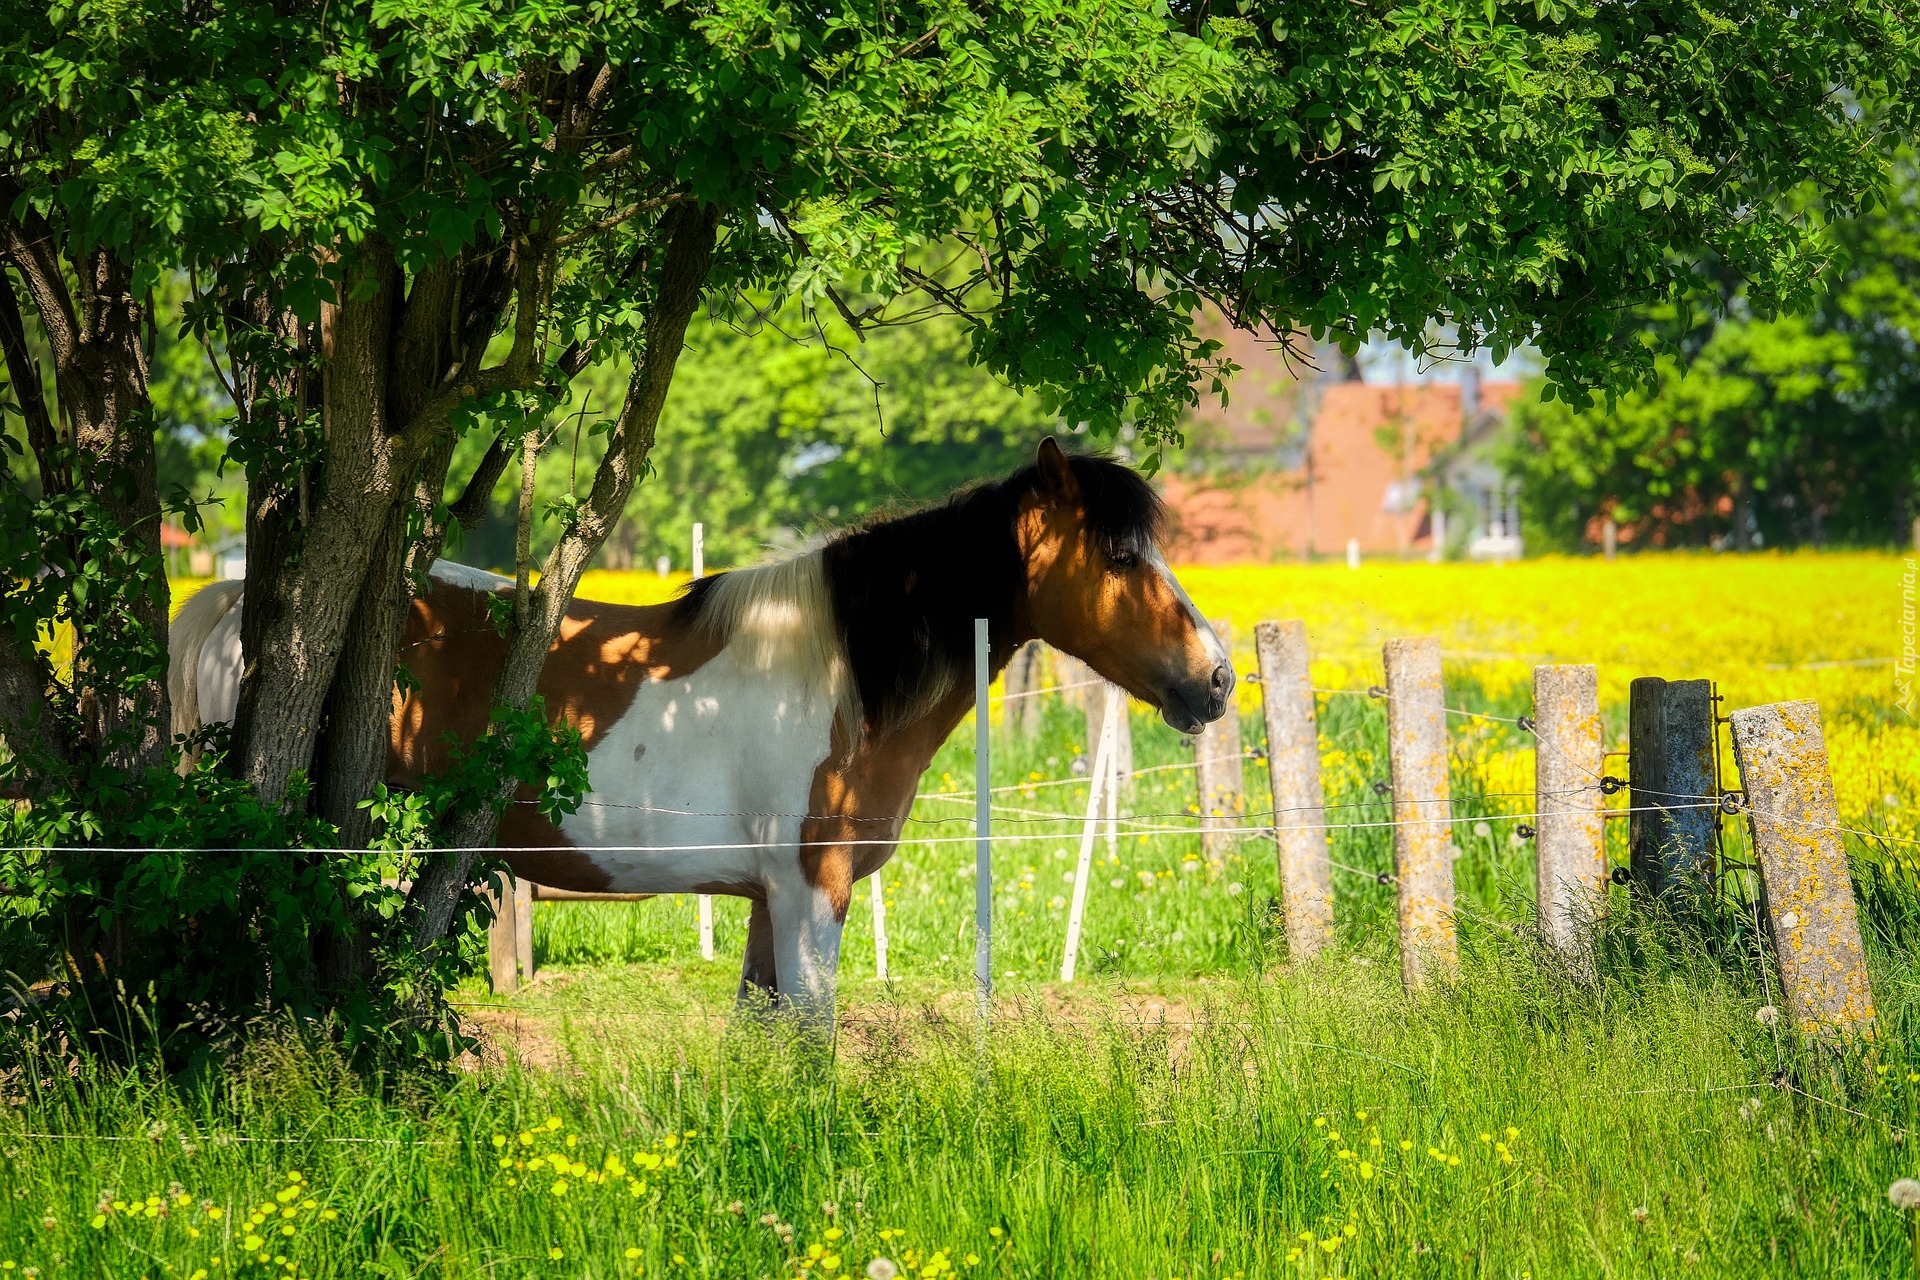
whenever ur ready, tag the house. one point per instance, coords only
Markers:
(1319, 463)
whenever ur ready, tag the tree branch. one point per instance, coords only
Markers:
(24, 374)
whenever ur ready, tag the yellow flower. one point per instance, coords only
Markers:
(1512, 1133)
(1453, 1161)
(499, 1139)
(553, 1122)
(973, 1259)
(830, 1263)
(1406, 1144)
(832, 1233)
(1366, 1170)
(328, 1215)
(631, 1254)
(556, 1252)
(287, 1230)
(216, 1213)
(1351, 1229)
(573, 1139)
(251, 1243)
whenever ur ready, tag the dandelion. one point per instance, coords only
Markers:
(1639, 1213)
(1366, 1170)
(556, 1252)
(882, 1269)
(1406, 1144)
(1904, 1194)
(631, 1254)
(736, 1209)
(1766, 1015)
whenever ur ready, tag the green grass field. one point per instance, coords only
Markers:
(1197, 1105)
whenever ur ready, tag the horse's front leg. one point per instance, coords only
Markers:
(808, 919)
(759, 974)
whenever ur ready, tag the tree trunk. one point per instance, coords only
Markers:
(307, 587)
(691, 231)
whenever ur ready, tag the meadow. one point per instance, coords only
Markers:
(1198, 1104)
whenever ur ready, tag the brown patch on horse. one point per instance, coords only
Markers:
(604, 653)
(866, 797)
(1081, 603)
(597, 664)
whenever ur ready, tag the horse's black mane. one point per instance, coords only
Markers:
(906, 588)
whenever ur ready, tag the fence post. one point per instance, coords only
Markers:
(879, 926)
(982, 824)
(1071, 677)
(1781, 752)
(1570, 852)
(503, 973)
(1222, 778)
(1669, 767)
(706, 900)
(1422, 836)
(1299, 804)
(1020, 681)
(1109, 699)
(523, 926)
(1100, 779)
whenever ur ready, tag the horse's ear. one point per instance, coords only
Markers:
(1057, 481)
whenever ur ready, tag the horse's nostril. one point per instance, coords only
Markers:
(1222, 681)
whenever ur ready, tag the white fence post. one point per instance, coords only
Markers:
(879, 927)
(1422, 835)
(982, 823)
(1101, 779)
(706, 900)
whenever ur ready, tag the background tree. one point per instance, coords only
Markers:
(1795, 430)
(400, 225)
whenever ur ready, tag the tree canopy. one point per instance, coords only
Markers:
(398, 225)
(1800, 429)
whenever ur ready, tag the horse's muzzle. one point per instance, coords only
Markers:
(1191, 705)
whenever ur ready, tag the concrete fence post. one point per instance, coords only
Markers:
(1669, 767)
(1222, 776)
(1293, 765)
(1570, 852)
(1781, 751)
(1422, 836)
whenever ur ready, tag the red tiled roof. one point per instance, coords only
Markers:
(1365, 437)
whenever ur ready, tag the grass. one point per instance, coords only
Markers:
(1181, 1113)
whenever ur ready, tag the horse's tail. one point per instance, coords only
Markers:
(187, 644)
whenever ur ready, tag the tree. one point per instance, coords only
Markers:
(1798, 429)
(399, 225)
(775, 431)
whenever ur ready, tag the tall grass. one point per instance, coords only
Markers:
(1515, 1123)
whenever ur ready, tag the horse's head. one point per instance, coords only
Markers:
(1098, 588)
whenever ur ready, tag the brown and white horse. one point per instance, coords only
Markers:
(764, 735)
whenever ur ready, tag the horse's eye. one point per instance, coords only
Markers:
(1122, 561)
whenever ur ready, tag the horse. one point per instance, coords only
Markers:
(763, 735)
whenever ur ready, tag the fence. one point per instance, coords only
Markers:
(1675, 799)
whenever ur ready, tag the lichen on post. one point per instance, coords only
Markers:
(1781, 751)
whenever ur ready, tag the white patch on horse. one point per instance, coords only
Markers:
(1215, 649)
(462, 575)
(725, 758)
